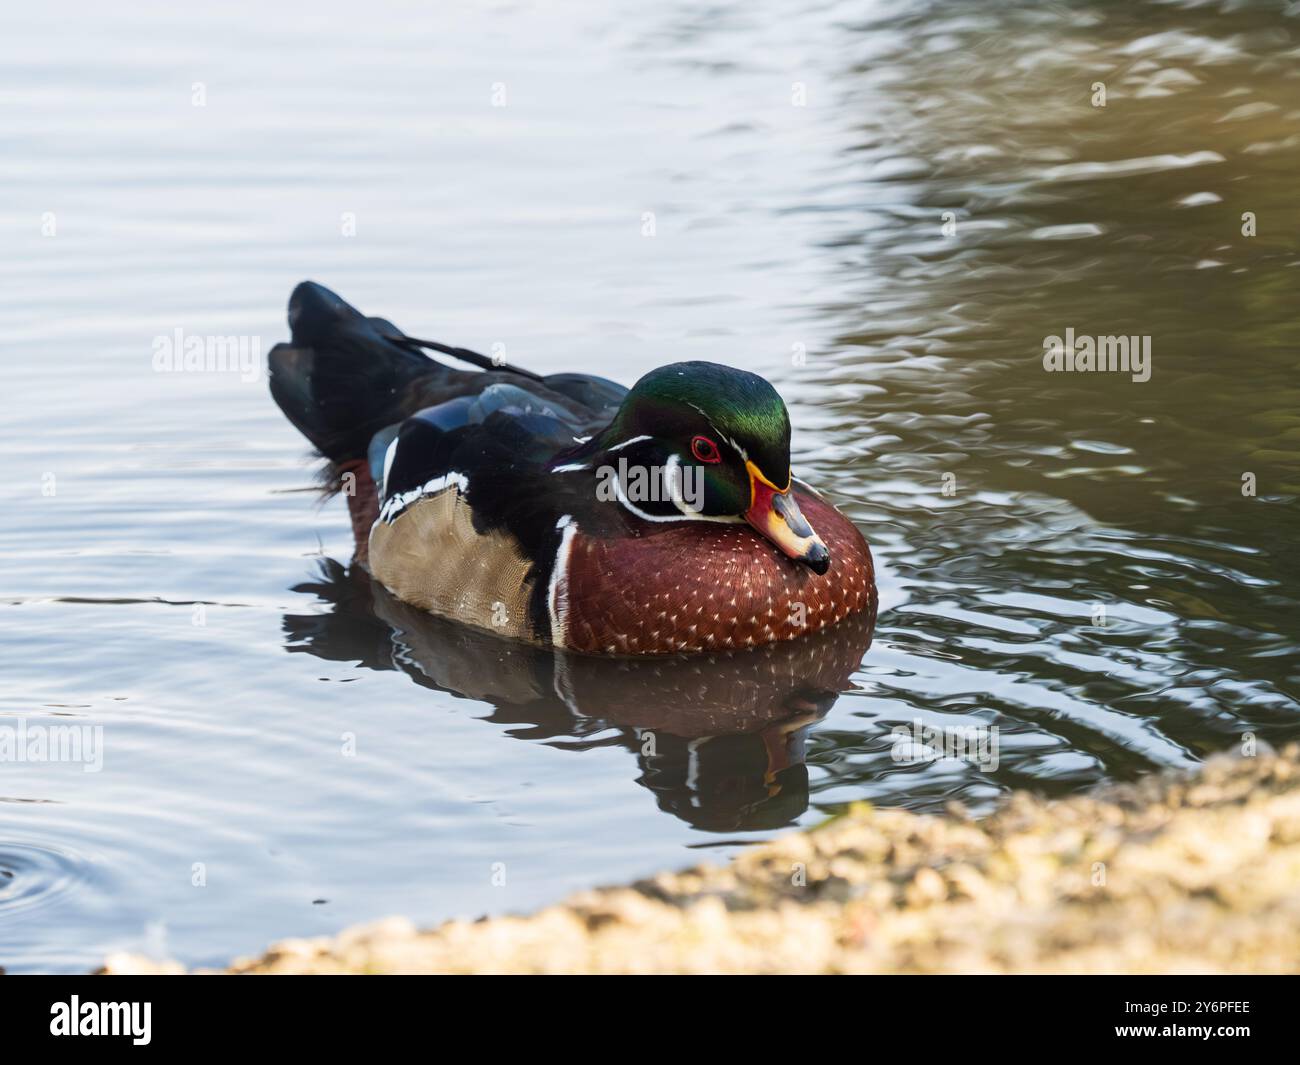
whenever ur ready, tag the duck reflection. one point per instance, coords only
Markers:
(719, 739)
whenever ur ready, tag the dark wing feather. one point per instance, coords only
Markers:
(339, 381)
(342, 380)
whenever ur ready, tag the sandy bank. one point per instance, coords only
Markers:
(1193, 873)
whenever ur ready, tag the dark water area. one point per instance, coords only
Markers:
(886, 209)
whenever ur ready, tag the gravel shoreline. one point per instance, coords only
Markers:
(1175, 873)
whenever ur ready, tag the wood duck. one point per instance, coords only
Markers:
(567, 510)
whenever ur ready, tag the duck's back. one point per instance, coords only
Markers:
(344, 378)
(436, 463)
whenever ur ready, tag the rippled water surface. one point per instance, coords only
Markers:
(884, 208)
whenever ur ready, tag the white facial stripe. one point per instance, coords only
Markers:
(673, 479)
(738, 449)
(686, 513)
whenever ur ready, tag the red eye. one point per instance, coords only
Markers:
(705, 449)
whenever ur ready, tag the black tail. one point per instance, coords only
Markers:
(344, 376)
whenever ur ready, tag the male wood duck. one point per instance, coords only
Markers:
(566, 510)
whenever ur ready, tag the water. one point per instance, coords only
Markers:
(297, 744)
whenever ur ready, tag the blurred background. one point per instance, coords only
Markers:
(882, 207)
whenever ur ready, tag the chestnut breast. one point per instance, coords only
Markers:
(706, 586)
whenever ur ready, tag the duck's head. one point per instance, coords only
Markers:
(720, 441)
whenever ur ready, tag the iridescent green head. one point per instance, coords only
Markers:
(724, 436)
